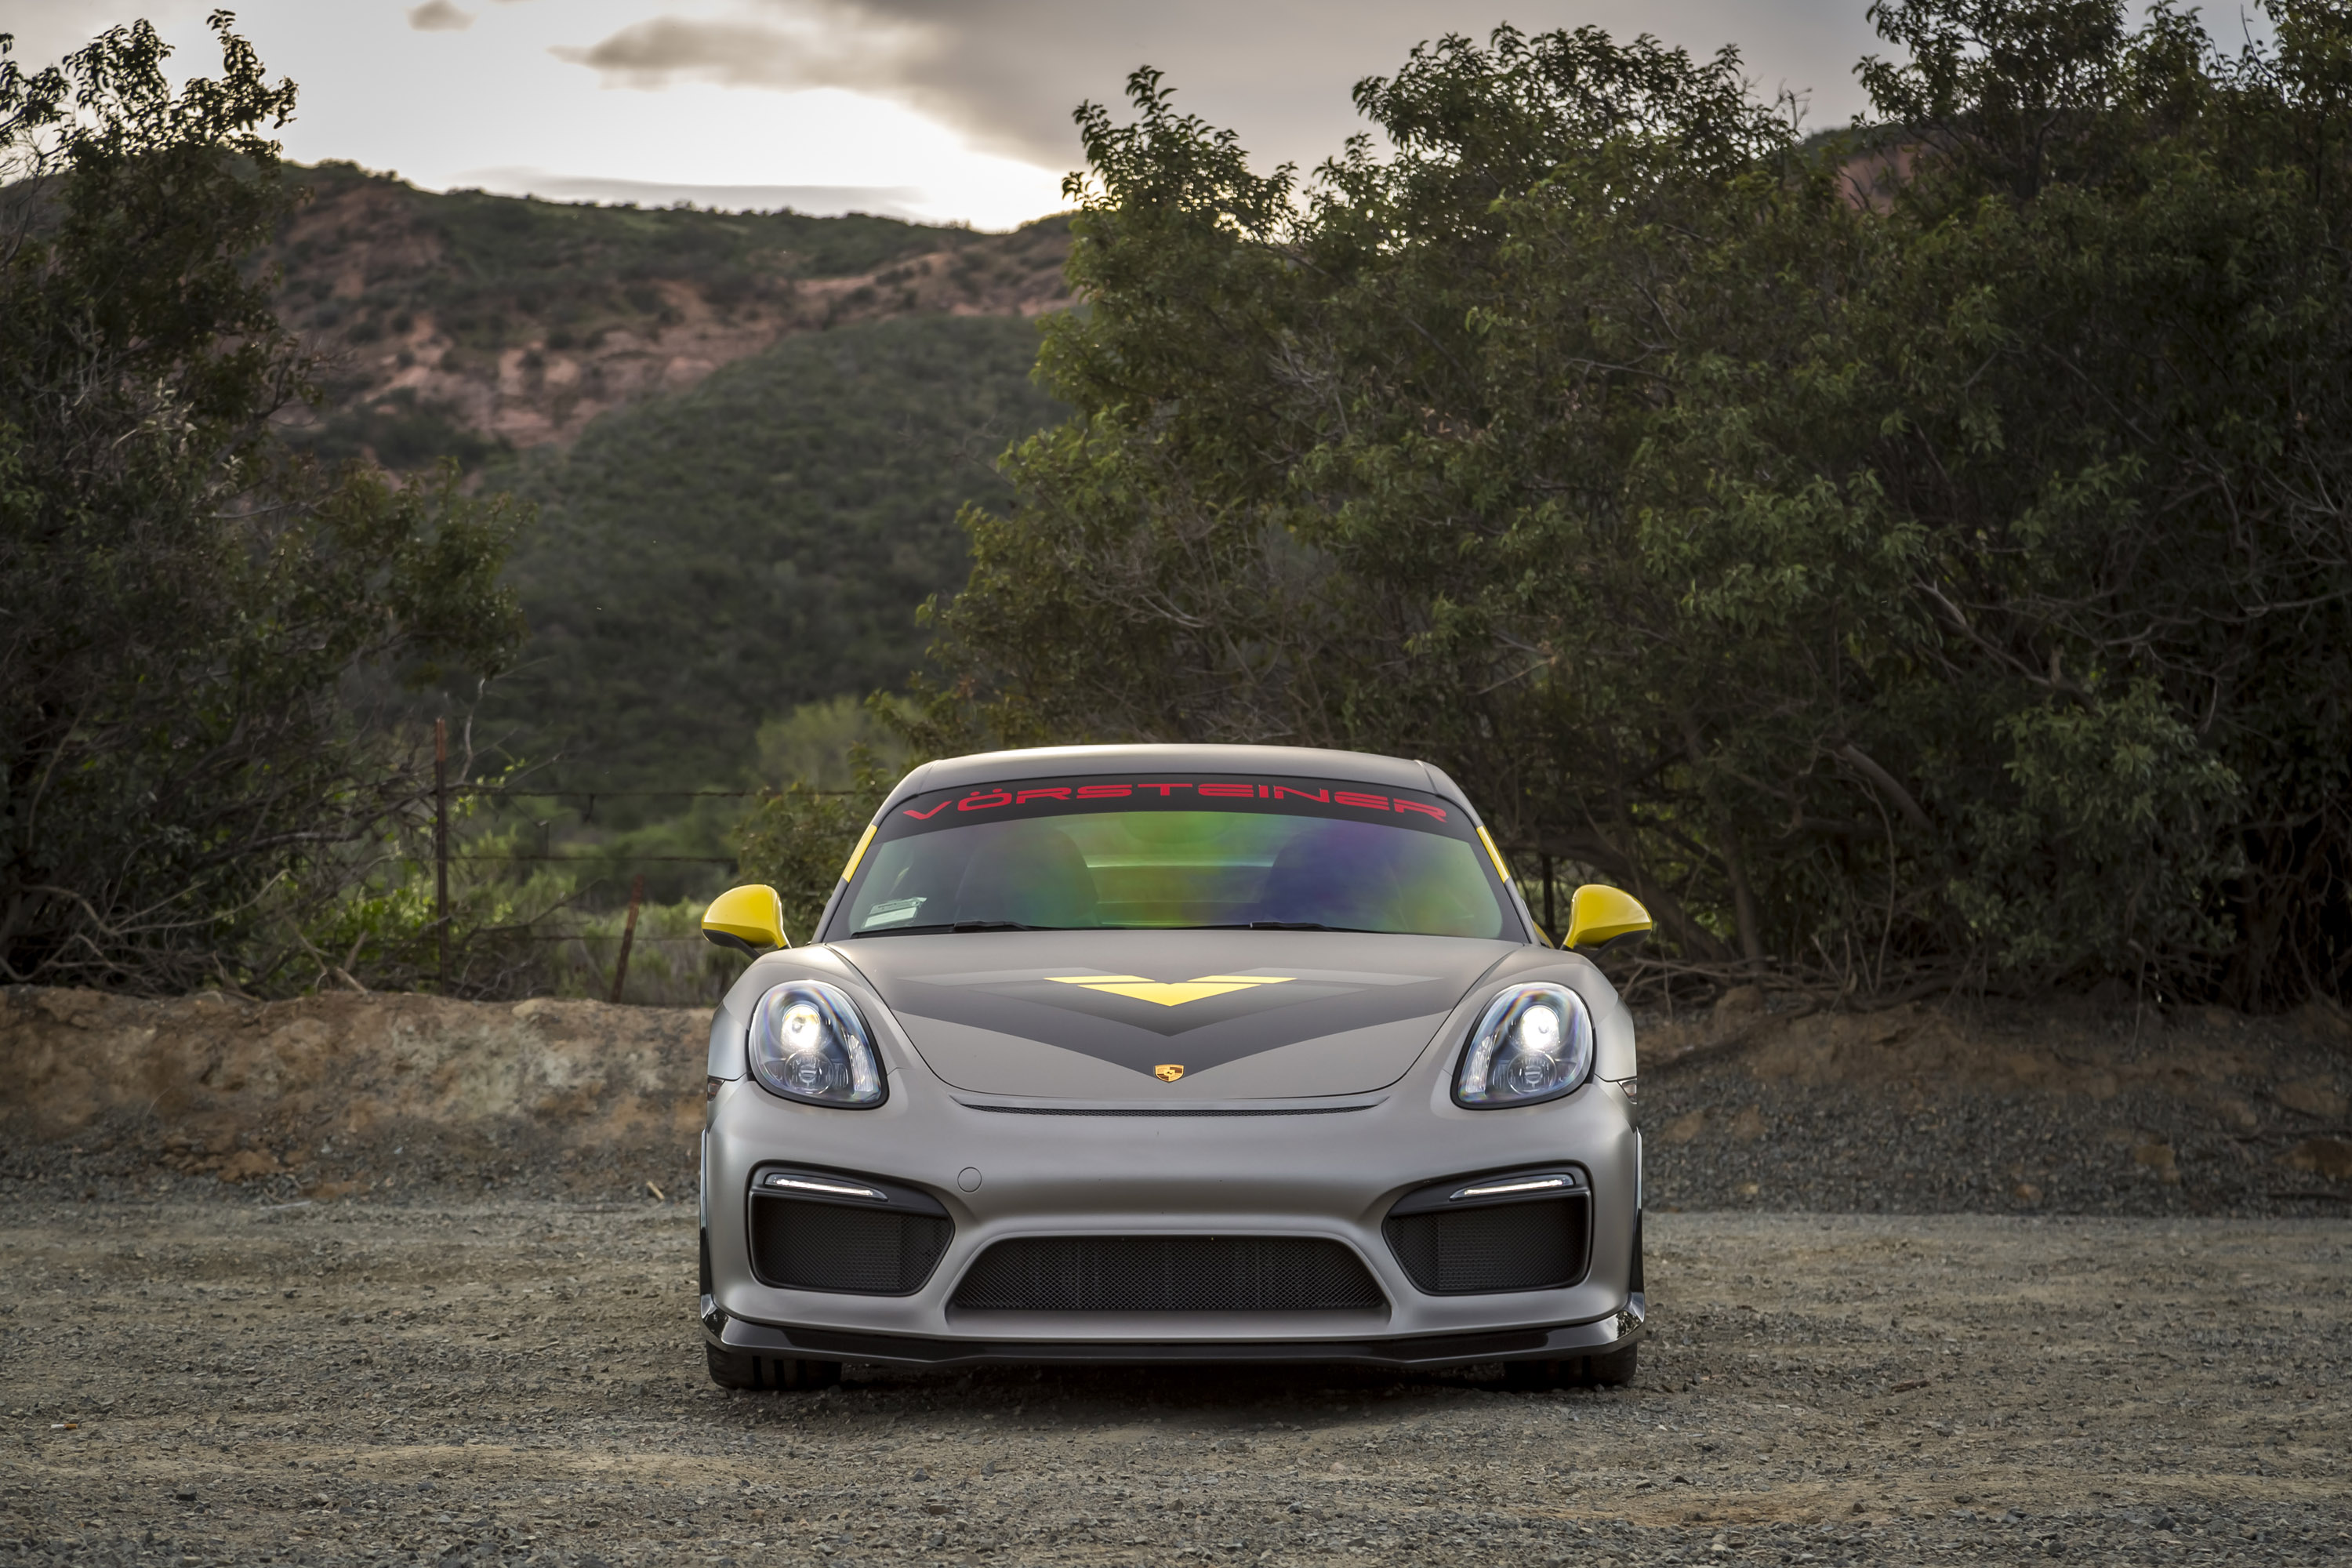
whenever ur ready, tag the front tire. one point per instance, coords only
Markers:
(743, 1369)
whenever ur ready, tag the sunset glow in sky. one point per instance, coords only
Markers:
(933, 108)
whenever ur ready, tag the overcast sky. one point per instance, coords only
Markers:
(937, 108)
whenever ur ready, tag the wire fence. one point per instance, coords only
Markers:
(671, 969)
(682, 964)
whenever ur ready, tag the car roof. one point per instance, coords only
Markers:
(1307, 762)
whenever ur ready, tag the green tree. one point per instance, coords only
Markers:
(1895, 555)
(190, 620)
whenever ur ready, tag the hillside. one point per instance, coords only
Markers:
(749, 435)
(460, 323)
(711, 558)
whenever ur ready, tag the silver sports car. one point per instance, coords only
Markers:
(1172, 1054)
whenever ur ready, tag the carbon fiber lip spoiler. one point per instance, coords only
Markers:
(1429, 1352)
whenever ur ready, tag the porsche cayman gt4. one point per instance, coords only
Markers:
(1168, 1054)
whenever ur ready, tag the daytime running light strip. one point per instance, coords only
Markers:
(1542, 1184)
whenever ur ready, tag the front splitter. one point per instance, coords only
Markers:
(1428, 1352)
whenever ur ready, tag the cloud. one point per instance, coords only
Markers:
(787, 52)
(1007, 73)
(885, 200)
(440, 17)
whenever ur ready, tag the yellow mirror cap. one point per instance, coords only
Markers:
(751, 918)
(1599, 914)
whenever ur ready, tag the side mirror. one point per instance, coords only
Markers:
(749, 919)
(1601, 916)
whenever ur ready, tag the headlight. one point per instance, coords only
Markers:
(808, 1043)
(1533, 1042)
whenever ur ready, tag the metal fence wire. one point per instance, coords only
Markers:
(673, 951)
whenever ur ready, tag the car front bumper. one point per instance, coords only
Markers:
(1330, 1171)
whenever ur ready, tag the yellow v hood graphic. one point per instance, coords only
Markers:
(1169, 993)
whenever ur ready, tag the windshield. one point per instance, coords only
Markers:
(1095, 853)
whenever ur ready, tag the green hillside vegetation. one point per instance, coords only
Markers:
(500, 270)
(458, 324)
(749, 551)
(711, 560)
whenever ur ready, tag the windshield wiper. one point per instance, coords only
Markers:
(1294, 925)
(959, 927)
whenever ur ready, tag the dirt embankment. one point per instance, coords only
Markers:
(2057, 1107)
(343, 1094)
(2007, 1109)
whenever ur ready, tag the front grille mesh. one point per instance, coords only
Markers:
(1535, 1245)
(1167, 1273)
(829, 1247)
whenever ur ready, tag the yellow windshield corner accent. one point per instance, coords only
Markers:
(1494, 854)
(859, 853)
(749, 918)
(1598, 916)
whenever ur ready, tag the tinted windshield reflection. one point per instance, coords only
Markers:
(1163, 869)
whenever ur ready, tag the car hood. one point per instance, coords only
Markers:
(1162, 1017)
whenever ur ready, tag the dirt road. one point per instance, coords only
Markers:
(221, 1382)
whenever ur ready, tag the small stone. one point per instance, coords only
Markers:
(1739, 1004)
(2329, 1157)
(2313, 1097)
(2159, 1158)
(1683, 1129)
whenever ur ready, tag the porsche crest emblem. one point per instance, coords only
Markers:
(1169, 1072)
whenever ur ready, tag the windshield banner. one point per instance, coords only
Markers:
(1014, 800)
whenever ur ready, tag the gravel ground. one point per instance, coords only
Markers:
(220, 1381)
(2060, 1108)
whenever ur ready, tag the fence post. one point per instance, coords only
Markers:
(441, 851)
(628, 936)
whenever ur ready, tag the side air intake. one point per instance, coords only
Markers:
(813, 1230)
(1486, 1234)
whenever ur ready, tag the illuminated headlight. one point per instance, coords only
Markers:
(808, 1043)
(1533, 1042)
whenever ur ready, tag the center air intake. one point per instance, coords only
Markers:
(1169, 1274)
